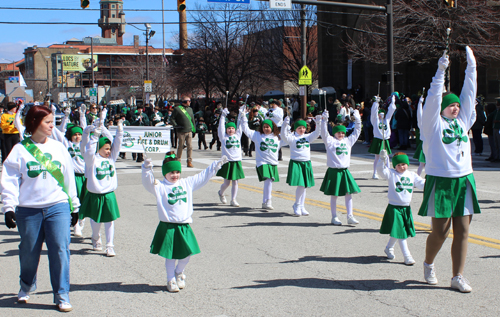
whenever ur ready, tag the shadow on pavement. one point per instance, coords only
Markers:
(281, 224)
(369, 259)
(356, 230)
(10, 300)
(118, 287)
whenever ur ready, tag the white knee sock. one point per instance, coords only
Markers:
(96, 227)
(403, 244)
(391, 243)
(81, 223)
(303, 198)
(109, 229)
(377, 157)
(268, 187)
(348, 205)
(300, 193)
(181, 265)
(170, 266)
(224, 186)
(234, 189)
(333, 206)
(420, 168)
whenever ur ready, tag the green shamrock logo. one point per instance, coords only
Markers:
(269, 144)
(232, 142)
(405, 184)
(75, 151)
(106, 170)
(35, 168)
(177, 194)
(341, 149)
(382, 126)
(455, 133)
(302, 143)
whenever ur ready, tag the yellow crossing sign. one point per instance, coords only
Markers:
(305, 76)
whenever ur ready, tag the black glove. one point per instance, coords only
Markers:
(74, 218)
(10, 219)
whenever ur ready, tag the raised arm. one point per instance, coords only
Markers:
(431, 112)
(148, 177)
(244, 126)
(83, 120)
(65, 120)
(374, 113)
(91, 145)
(317, 132)
(325, 135)
(357, 127)
(199, 180)
(117, 142)
(420, 108)
(286, 136)
(222, 124)
(382, 168)
(469, 90)
(392, 109)
(17, 122)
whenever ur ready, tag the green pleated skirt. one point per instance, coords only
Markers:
(300, 174)
(81, 186)
(231, 171)
(100, 207)
(376, 146)
(398, 222)
(449, 196)
(339, 182)
(267, 171)
(174, 241)
(419, 153)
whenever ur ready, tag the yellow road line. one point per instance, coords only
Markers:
(473, 238)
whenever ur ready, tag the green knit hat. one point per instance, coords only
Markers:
(103, 140)
(171, 166)
(268, 122)
(230, 124)
(339, 128)
(448, 100)
(73, 130)
(398, 159)
(300, 123)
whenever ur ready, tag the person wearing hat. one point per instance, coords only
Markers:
(338, 181)
(183, 121)
(381, 130)
(9, 131)
(174, 239)
(156, 117)
(201, 130)
(214, 124)
(398, 219)
(100, 203)
(276, 114)
(450, 196)
(300, 172)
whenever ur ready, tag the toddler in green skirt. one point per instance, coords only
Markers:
(398, 220)
(174, 239)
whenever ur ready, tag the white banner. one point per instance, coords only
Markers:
(280, 4)
(138, 139)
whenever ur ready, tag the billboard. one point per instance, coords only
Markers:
(77, 63)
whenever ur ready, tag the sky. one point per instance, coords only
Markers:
(15, 38)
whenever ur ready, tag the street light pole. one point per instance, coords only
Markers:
(147, 50)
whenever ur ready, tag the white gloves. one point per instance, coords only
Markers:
(471, 60)
(148, 163)
(102, 115)
(83, 109)
(325, 115)
(89, 129)
(53, 109)
(67, 112)
(356, 115)
(383, 155)
(225, 112)
(120, 125)
(21, 107)
(286, 121)
(317, 119)
(444, 61)
(223, 160)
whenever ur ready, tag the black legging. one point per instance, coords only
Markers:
(9, 140)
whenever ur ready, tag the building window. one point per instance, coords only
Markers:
(112, 15)
(112, 6)
(104, 6)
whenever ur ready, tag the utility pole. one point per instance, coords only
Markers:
(92, 59)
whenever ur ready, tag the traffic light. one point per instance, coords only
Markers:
(451, 3)
(84, 4)
(181, 5)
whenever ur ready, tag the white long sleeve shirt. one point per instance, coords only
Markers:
(73, 150)
(446, 143)
(382, 128)
(231, 145)
(100, 171)
(26, 183)
(266, 145)
(300, 145)
(174, 201)
(338, 153)
(400, 184)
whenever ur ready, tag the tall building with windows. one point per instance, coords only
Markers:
(112, 20)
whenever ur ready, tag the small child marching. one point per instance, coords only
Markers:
(174, 239)
(398, 220)
(338, 180)
(232, 171)
(300, 172)
(201, 129)
(100, 203)
(381, 130)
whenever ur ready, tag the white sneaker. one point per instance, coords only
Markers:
(390, 253)
(267, 205)
(180, 279)
(78, 231)
(336, 221)
(459, 282)
(222, 198)
(110, 251)
(97, 244)
(234, 203)
(375, 176)
(430, 274)
(23, 297)
(304, 211)
(409, 260)
(352, 221)
(296, 210)
(64, 307)
(172, 287)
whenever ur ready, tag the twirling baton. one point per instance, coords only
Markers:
(446, 78)
(227, 93)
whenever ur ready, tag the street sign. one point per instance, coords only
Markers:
(302, 90)
(63, 96)
(231, 1)
(148, 86)
(93, 92)
(93, 99)
(305, 76)
(280, 4)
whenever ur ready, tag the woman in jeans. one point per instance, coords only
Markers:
(36, 202)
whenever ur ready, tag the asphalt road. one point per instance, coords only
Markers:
(255, 263)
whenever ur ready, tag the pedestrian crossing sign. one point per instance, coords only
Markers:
(305, 76)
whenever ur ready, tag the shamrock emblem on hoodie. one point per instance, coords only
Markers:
(106, 170)
(232, 141)
(454, 133)
(341, 149)
(177, 194)
(35, 168)
(269, 144)
(75, 151)
(382, 126)
(405, 184)
(302, 143)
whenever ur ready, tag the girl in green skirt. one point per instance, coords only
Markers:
(174, 240)
(338, 180)
(381, 130)
(232, 171)
(398, 220)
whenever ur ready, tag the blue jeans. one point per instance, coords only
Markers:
(52, 225)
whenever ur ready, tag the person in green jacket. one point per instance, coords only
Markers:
(183, 121)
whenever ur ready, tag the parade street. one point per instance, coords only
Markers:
(255, 263)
